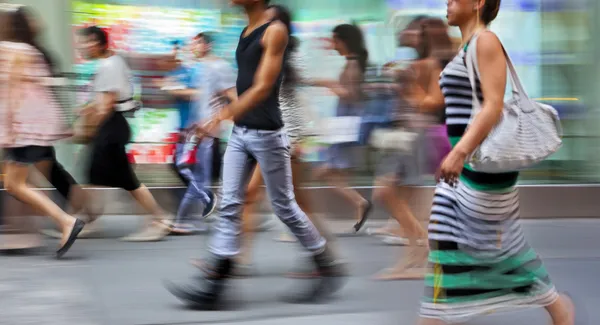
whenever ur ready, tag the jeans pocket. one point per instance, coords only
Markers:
(285, 139)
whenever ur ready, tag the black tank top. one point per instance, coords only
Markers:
(265, 115)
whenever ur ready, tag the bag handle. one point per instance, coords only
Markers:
(473, 70)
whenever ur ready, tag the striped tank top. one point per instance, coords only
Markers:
(457, 90)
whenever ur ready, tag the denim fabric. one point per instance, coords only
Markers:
(271, 150)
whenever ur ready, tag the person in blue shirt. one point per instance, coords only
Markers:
(181, 84)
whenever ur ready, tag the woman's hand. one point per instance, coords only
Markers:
(451, 167)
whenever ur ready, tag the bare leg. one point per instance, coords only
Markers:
(562, 311)
(15, 184)
(143, 196)
(415, 259)
(156, 227)
(249, 217)
(304, 202)
(79, 201)
(338, 179)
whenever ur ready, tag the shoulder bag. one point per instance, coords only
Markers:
(527, 133)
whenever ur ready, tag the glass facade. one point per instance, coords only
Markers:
(550, 41)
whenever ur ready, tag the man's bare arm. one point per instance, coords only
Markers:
(231, 94)
(187, 93)
(274, 42)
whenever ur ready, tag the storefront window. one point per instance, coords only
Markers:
(551, 46)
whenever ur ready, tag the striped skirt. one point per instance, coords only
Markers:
(479, 261)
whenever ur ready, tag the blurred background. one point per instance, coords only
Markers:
(549, 40)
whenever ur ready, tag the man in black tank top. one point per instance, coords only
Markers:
(258, 138)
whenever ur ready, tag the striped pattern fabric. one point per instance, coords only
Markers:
(293, 112)
(458, 95)
(479, 260)
(29, 113)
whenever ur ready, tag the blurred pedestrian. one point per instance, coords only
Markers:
(75, 197)
(31, 122)
(295, 124)
(349, 42)
(258, 138)
(109, 164)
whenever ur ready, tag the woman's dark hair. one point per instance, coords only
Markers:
(353, 38)
(27, 15)
(489, 11)
(282, 14)
(433, 36)
(436, 40)
(417, 24)
(18, 28)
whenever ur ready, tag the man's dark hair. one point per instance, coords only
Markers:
(207, 37)
(97, 33)
(267, 2)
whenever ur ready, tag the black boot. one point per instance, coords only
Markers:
(205, 291)
(331, 278)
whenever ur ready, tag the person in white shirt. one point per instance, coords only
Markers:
(109, 164)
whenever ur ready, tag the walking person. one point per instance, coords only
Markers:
(295, 124)
(109, 164)
(349, 42)
(401, 171)
(31, 121)
(211, 81)
(75, 197)
(479, 259)
(258, 138)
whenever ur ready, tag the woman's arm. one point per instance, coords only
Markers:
(349, 88)
(492, 68)
(430, 99)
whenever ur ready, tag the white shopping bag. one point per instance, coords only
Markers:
(341, 129)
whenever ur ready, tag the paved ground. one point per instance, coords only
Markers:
(107, 282)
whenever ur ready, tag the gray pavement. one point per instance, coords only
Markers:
(108, 282)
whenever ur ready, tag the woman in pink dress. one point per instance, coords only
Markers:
(30, 121)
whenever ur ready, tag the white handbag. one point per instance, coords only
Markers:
(527, 133)
(339, 129)
(396, 139)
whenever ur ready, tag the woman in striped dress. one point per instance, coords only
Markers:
(479, 259)
(30, 121)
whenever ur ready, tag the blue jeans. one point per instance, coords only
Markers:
(271, 150)
(199, 176)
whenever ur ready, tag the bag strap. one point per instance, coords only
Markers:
(473, 71)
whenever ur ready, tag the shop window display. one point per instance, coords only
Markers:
(553, 66)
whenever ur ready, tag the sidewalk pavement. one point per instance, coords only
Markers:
(108, 282)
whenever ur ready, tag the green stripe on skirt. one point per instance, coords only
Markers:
(499, 277)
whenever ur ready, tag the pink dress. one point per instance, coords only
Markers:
(29, 113)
